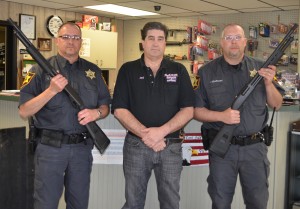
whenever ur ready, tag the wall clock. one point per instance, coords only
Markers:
(53, 24)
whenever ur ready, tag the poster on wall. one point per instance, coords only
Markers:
(193, 152)
(85, 50)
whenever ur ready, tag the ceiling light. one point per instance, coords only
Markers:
(121, 10)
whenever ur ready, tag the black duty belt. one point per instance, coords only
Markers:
(64, 138)
(247, 140)
(168, 140)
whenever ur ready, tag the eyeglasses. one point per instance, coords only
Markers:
(232, 37)
(68, 37)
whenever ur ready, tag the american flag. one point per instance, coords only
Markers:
(193, 152)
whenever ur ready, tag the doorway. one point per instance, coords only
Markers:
(8, 57)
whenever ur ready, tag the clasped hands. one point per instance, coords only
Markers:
(154, 138)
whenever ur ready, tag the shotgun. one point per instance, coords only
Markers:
(100, 140)
(221, 142)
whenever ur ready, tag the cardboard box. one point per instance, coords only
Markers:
(89, 19)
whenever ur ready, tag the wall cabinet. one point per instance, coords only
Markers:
(293, 194)
(100, 47)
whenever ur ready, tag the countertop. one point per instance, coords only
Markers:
(15, 97)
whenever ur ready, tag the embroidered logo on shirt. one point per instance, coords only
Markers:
(142, 77)
(90, 74)
(216, 81)
(27, 79)
(253, 73)
(171, 78)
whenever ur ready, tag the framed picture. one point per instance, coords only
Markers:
(28, 25)
(44, 44)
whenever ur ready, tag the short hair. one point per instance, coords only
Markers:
(154, 26)
(231, 25)
(71, 24)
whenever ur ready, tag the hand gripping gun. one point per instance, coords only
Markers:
(221, 142)
(100, 140)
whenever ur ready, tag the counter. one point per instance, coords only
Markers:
(107, 181)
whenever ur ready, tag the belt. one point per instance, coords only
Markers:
(64, 138)
(247, 140)
(75, 138)
(168, 140)
(173, 140)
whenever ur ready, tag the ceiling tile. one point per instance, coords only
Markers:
(263, 9)
(221, 12)
(279, 3)
(169, 8)
(237, 4)
(191, 5)
(149, 6)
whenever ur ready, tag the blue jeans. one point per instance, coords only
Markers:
(68, 166)
(251, 164)
(138, 163)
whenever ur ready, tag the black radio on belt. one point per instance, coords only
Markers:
(268, 131)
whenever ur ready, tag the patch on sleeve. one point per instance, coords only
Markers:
(195, 79)
(27, 79)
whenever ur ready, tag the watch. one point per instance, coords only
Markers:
(53, 24)
(99, 114)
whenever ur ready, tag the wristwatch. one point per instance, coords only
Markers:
(99, 114)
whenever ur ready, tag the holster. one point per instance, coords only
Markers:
(32, 140)
(51, 138)
(208, 136)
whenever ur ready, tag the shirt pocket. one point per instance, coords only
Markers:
(171, 94)
(57, 101)
(89, 94)
(219, 97)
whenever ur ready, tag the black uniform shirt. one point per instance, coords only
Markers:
(59, 113)
(221, 82)
(153, 101)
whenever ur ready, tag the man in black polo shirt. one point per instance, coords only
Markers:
(221, 80)
(153, 99)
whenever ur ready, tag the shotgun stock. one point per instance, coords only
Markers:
(221, 142)
(100, 140)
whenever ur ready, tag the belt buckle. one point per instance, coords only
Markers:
(253, 136)
(257, 135)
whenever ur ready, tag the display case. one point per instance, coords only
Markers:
(293, 191)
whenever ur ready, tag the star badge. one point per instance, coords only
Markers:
(90, 74)
(253, 73)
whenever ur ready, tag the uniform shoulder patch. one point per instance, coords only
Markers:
(195, 79)
(27, 79)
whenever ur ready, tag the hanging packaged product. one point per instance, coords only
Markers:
(252, 32)
(202, 42)
(204, 27)
(264, 30)
(294, 47)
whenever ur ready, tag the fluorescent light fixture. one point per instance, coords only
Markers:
(120, 10)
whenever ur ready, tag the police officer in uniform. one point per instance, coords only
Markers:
(220, 81)
(153, 99)
(63, 155)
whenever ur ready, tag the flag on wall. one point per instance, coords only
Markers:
(193, 152)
